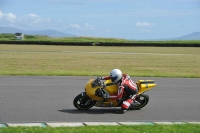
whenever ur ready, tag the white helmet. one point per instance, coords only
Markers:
(115, 75)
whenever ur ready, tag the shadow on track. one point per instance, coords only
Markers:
(92, 111)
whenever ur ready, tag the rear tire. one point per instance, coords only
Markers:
(143, 99)
(83, 102)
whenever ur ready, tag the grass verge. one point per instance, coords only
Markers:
(177, 128)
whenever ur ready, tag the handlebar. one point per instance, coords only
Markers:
(98, 82)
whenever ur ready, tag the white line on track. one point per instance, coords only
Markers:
(76, 124)
(79, 52)
(121, 53)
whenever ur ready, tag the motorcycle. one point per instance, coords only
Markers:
(95, 89)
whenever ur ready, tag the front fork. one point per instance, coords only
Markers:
(83, 94)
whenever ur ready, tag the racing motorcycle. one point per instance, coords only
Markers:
(96, 88)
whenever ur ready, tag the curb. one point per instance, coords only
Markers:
(77, 124)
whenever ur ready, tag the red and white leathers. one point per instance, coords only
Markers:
(126, 85)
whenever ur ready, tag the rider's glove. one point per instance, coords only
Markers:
(99, 77)
(104, 86)
(105, 94)
(97, 82)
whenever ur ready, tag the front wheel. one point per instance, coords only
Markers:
(83, 102)
(142, 100)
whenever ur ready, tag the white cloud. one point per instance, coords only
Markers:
(31, 20)
(89, 26)
(85, 26)
(144, 27)
(9, 17)
(143, 24)
(33, 16)
(75, 26)
(34, 19)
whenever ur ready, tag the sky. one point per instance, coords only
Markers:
(124, 19)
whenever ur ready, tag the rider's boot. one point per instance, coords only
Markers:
(126, 104)
(124, 110)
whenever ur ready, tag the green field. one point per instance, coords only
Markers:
(183, 128)
(99, 60)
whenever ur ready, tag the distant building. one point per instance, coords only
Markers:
(19, 36)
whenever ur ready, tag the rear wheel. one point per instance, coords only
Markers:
(83, 102)
(142, 100)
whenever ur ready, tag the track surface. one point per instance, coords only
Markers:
(50, 99)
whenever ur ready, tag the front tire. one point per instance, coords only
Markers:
(83, 102)
(143, 99)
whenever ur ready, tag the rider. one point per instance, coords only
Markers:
(125, 84)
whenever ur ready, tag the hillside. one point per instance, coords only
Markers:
(55, 33)
(192, 36)
(49, 32)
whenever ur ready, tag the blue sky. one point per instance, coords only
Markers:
(128, 19)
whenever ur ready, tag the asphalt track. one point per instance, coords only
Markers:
(50, 99)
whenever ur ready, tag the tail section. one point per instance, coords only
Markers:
(145, 85)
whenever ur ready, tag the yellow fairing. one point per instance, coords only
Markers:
(110, 88)
(113, 90)
(145, 85)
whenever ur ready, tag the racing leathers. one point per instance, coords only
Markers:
(125, 86)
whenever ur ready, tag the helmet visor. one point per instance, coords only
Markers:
(113, 78)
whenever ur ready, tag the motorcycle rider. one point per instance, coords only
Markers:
(125, 85)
